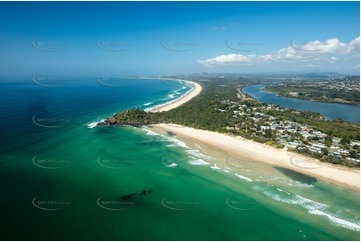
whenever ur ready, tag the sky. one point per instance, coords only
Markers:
(172, 38)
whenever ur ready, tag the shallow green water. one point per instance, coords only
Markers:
(77, 183)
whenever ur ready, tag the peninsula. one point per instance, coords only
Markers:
(219, 115)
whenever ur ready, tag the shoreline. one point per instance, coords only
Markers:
(253, 151)
(194, 91)
(257, 152)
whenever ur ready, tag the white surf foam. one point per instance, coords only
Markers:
(198, 154)
(171, 165)
(298, 184)
(291, 198)
(244, 178)
(198, 162)
(150, 133)
(311, 206)
(215, 167)
(337, 221)
(176, 142)
(94, 124)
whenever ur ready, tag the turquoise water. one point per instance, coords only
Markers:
(329, 110)
(62, 180)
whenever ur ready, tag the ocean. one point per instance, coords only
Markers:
(64, 179)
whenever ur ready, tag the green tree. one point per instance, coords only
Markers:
(268, 133)
(324, 151)
(354, 154)
(345, 140)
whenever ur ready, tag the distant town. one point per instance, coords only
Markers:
(291, 134)
(337, 90)
(309, 133)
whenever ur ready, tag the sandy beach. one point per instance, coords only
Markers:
(256, 152)
(196, 89)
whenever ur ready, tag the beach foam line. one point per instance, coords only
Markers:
(243, 177)
(167, 103)
(279, 189)
(147, 104)
(176, 142)
(337, 221)
(194, 90)
(172, 97)
(198, 162)
(298, 184)
(311, 206)
(149, 132)
(292, 199)
(198, 154)
(215, 167)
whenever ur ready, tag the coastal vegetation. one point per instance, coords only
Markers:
(134, 117)
(223, 108)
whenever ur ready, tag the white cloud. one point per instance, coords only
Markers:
(330, 46)
(314, 50)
